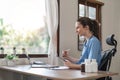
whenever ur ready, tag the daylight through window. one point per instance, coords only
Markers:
(23, 25)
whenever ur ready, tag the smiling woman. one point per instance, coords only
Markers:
(23, 25)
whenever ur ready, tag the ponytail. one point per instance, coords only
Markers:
(93, 25)
(95, 29)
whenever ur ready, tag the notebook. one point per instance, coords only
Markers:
(44, 66)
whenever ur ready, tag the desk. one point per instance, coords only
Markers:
(67, 74)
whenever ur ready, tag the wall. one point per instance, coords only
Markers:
(68, 16)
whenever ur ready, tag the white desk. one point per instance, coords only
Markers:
(57, 74)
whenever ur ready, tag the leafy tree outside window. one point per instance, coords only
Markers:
(24, 26)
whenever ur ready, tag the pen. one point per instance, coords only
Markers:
(62, 59)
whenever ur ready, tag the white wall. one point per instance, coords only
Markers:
(68, 16)
(110, 25)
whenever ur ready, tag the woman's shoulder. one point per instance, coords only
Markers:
(94, 40)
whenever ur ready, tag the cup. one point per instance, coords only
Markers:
(83, 67)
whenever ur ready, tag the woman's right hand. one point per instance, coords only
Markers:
(65, 53)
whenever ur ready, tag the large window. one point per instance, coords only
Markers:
(23, 26)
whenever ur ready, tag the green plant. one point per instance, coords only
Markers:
(11, 56)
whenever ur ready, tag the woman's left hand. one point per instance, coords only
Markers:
(68, 63)
(71, 65)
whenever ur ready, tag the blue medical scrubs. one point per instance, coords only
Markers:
(91, 50)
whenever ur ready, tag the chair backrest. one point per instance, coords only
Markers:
(108, 54)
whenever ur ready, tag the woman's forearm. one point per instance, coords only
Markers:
(72, 59)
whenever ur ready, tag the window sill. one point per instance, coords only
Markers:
(30, 55)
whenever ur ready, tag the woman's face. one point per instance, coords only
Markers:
(80, 30)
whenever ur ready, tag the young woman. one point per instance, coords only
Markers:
(92, 46)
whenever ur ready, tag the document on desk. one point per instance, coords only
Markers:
(60, 68)
(44, 66)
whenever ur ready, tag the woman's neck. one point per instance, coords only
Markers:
(88, 36)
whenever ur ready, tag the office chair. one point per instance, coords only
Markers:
(107, 57)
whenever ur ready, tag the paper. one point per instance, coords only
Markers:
(39, 63)
(44, 66)
(60, 68)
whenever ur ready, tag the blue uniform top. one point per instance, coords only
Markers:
(91, 50)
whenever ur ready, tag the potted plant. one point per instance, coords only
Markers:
(11, 59)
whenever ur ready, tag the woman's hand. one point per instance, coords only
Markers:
(71, 65)
(68, 63)
(65, 53)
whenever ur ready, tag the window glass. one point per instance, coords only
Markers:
(92, 12)
(23, 25)
(82, 10)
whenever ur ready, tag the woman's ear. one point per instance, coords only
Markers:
(87, 27)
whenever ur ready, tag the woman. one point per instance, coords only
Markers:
(92, 46)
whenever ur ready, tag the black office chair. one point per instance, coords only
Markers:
(107, 57)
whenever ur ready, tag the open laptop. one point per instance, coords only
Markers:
(39, 64)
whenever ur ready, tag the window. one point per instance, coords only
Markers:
(23, 26)
(91, 9)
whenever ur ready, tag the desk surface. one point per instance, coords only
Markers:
(67, 74)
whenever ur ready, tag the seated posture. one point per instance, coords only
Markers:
(92, 46)
(107, 56)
